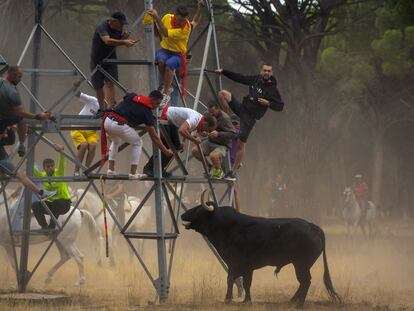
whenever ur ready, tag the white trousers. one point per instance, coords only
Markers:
(120, 134)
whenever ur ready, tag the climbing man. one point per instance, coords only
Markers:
(174, 30)
(8, 169)
(11, 109)
(219, 140)
(107, 36)
(181, 121)
(85, 141)
(263, 94)
(120, 122)
(59, 204)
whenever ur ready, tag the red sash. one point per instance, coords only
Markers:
(164, 113)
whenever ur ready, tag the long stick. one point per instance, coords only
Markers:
(105, 206)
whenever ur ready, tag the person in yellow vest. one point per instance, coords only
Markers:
(60, 203)
(174, 30)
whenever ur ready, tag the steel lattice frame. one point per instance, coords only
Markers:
(162, 188)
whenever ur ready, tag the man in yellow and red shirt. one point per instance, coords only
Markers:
(174, 30)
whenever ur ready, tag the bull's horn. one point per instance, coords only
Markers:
(204, 204)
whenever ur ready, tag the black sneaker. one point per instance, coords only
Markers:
(230, 174)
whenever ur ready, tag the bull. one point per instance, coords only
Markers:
(247, 243)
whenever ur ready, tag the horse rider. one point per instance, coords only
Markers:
(360, 190)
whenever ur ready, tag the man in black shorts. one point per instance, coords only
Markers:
(263, 94)
(108, 35)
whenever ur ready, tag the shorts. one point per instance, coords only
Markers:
(171, 59)
(208, 147)
(5, 123)
(7, 168)
(79, 137)
(246, 121)
(98, 79)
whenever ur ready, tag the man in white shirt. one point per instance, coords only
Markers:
(181, 121)
(84, 140)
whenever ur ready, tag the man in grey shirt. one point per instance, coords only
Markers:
(219, 140)
(11, 109)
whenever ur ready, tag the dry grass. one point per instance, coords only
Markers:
(369, 275)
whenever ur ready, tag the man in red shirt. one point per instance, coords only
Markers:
(360, 190)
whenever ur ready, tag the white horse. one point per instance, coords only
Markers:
(353, 215)
(92, 203)
(65, 242)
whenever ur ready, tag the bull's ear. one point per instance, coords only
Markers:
(206, 205)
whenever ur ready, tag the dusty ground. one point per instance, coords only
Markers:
(369, 274)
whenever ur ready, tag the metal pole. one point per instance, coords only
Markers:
(162, 283)
(24, 274)
(219, 84)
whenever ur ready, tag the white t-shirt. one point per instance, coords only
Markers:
(91, 105)
(178, 115)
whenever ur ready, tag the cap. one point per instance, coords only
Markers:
(121, 17)
(156, 94)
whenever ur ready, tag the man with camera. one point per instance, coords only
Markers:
(263, 94)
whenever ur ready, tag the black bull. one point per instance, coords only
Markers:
(247, 243)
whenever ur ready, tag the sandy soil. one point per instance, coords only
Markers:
(373, 274)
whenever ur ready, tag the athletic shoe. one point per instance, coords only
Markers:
(111, 173)
(165, 100)
(230, 175)
(218, 173)
(47, 195)
(136, 176)
(76, 173)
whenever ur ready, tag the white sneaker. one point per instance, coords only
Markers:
(165, 100)
(110, 173)
(76, 173)
(136, 176)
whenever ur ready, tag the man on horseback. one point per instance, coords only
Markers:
(360, 190)
(60, 203)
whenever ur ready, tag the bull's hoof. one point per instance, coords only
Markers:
(228, 301)
(247, 302)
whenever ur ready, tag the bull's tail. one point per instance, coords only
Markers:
(326, 275)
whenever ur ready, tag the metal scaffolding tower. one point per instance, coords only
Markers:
(162, 188)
